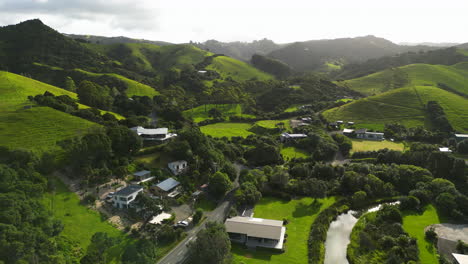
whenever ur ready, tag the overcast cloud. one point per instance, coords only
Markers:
(245, 20)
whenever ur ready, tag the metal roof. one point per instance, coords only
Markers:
(128, 190)
(461, 259)
(461, 135)
(141, 173)
(168, 184)
(255, 227)
(150, 131)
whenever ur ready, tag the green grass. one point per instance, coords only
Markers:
(227, 130)
(370, 145)
(39, 128)
(200, 113)
(270, 124)
(80, 223)
(414, 225)
(134, 87)
(300, 213)
(292, 152)
(405, 106)
(237, 70)
(205, 203)
(292, 108)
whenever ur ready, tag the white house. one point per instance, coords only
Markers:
(363, 134)
(287, 137)
(178, 167)
(445, 149)
(256, 232)
(158, 134)
(125, 196)
(460, 137)
(460, 259)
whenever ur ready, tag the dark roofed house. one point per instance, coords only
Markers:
(125, 196)
(256, 232)
(142, 176)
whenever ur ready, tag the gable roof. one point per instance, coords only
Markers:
(255, 227)
(150, 131)
(461, 135)
(128, 190)
(168, 184)
(361, 131)
(141, 173)
(461, 259)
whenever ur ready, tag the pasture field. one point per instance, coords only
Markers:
(292, 152)
(414, 224)
(237, 70)
(200, 113)
(300, 213)
(270, 124)
(371, 145)
(227, 130)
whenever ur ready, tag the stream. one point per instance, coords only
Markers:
(338, 236)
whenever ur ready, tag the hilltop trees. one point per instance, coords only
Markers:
(95, 95)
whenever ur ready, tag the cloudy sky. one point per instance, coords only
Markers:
(283, 21)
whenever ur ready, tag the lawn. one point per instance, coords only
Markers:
(292, 152)
(414, 225)
(370, 145)
(300, 214)
(205, 203)
(80, 223)
(227, 130)
(200, 113)
(272, 123)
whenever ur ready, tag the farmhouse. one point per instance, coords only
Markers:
(256, 232)
(288, 137)
(348, 132)
(142, 176)
(177, 167)
(363, 134)
(169, 186)
(445, 149)
(125, 196)
(158, 134)
(460, 137)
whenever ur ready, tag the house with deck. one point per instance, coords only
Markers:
(364, 134)
(142, 176)
(169, 187)
(285, 137)
(178, 167)
(157, 134)
(256, 232)
(461, 137)
(124, 197)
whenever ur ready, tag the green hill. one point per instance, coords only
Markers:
(404, 105)
(200, 113)
(237, 70)
(34, 128)
(455, 77)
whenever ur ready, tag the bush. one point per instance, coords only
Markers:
(431, 235)
(197, 216)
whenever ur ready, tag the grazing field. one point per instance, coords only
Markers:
(227, 130)
(200, 113)
(414, 224)
(134, 87)
(272, 123)
(300, 213)
(455, 76)
(292, 152)
(36, 128)
(405, 106)
(81, 223)
(370, 145)
(237, 70)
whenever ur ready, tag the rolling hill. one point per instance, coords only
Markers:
(454, 77)
(405, 106)
(27, 126)
(237, 70)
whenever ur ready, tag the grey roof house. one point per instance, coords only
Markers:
(256, 232)
(124, 197)
(158, 134)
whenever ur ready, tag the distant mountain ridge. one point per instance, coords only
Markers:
(114, 40)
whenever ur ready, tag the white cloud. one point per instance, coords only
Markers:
(282, 21)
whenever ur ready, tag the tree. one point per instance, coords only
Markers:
(100, 242)
(215, 113)
(219, 184)
(92, 94)
(124, 141)
(410, 203)
(462, 147)
(197, 216)
(142, 252)
(70, 84)
(211, 246)
(359, 198)
(248, 194)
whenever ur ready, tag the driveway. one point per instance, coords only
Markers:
(448, 235)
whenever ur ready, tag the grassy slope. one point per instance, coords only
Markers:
(414, 225)
(80, 223)
(455, 76)
(38, 128)
(300, 213)
(272, 123)
(292, 152)
(227, 130)
(200, 113)
(237, 70)
(134, 87)
(368, 145)
(404, 105)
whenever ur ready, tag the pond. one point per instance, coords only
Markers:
(338, 235)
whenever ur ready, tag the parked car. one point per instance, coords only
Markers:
(109, 197)
(182, 224)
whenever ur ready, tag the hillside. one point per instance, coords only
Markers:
(237, 70)
(35, 128)
(312, 55)
(113, 40)
(405, 106)
(454, 77)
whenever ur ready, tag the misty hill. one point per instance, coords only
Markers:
(447, 56)
(431, 44)
(312, 55)
(113, 40)
(240, 50)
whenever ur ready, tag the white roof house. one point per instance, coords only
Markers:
(160, 218)
(460, 137)
(160, 134)
(287, 136)
(348, 131)
(178, 166)
(168, 184)
(256, 231)
(445, 149)
(461, 259)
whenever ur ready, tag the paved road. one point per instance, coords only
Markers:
(178, 255)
